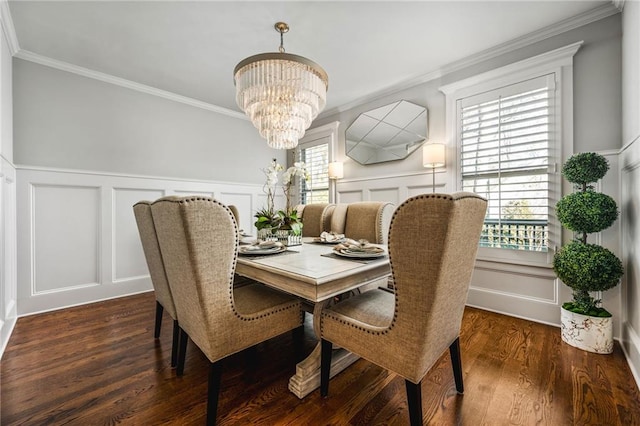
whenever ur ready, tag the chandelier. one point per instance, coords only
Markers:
(281, 93)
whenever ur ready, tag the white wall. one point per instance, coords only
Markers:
(523, 291)
(65, 120)
(86, 151)
(630, 178)
(8, 280)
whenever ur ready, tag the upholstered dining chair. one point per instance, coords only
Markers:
(368, 220)
(151, 249)
(199, 243)
(316, 218)
(235, 212)
(433, 241)
(238, 280)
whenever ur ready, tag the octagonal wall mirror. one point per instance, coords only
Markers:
(388, 133)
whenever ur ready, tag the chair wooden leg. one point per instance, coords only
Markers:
(175, 343)
(414, 399)
(456, 362)
(159, 311)
(325, 367)
(215, 374)
(182, 351)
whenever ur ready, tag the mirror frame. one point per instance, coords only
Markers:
(388, 133)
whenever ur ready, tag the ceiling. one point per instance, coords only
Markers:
(191, 48)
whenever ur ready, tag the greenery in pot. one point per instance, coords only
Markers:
(286, 219)
(267, 218)
(586, 267)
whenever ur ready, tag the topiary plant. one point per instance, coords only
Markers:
(586, 267)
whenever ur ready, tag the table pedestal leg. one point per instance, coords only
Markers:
(307, 377)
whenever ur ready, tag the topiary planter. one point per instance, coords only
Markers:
(586, 268)
(593, 334)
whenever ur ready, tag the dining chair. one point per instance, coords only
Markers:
(199, 243)
(433, 241)
(316, 218)
(151, 249)
(367, 220)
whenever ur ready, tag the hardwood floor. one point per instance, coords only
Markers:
(100, 365)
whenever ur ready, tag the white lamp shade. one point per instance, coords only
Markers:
(433, 155)
(336, 170)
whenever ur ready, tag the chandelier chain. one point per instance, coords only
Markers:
(281, 48)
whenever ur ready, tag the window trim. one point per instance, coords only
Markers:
(314, 137)
(560, 63)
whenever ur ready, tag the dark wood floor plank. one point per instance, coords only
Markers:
(100, 365)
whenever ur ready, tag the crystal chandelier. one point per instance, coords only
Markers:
(281, 93)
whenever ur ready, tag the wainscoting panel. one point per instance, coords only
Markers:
(412, 191)
(77, 237)
(391, 195)
(630, 294)
(244, 203)
(394, 189)
(66, 237)
(521, 291)
(8, 274)
(540, 284)
(128, 258)
(351, 196)
(184, 193)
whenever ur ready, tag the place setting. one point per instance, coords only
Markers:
(361, 250)
(262, 248)
(329, 238)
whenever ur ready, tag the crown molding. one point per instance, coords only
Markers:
(595, 14)
(584, 18)
(563, 55)
(8, 29)
(108, 78)
(619, 4)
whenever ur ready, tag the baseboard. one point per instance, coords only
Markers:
(82, 303)
(630, 344)
(7, 328)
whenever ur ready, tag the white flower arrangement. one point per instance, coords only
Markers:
(287, 218)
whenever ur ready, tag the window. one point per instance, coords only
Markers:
(316, 188)
(316, 149)
(505, 139)
(511, 128)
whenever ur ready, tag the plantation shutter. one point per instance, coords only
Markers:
(316, 158)
(506, 155)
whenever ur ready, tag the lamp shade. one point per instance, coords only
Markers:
(433, 155)
(336, 170)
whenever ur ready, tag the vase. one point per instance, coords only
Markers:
(593, 334)
(289, 237)
(267, 234)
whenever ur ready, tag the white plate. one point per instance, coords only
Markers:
(321, 241)
(358, 254)
(244, 250)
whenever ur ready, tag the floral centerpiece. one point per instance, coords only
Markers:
(268, 220)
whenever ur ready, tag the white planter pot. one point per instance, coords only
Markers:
(593, 334)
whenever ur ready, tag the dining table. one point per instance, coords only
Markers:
(319, 276)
